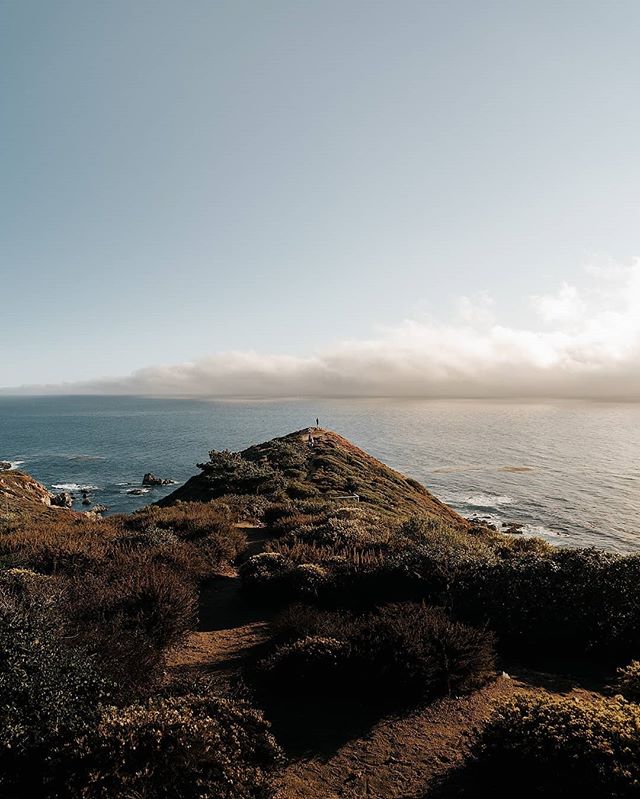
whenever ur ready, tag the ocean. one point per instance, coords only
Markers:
(566, 470)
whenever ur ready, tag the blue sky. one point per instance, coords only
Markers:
(185, 179)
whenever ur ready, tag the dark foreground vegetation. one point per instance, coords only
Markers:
(380, 596)
(88, 611)
(554, 747)
(398, 653)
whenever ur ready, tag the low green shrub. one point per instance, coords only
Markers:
(272, 574)
(423, 652)
(233, 473)
(571, 601)
(305, 580)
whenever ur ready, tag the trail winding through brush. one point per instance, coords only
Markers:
(230, 627)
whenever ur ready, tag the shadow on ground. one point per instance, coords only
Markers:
(224, 605)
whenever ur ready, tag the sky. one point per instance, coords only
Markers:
(336, 197)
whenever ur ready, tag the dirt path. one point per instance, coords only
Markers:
(400, 757)
(229, 629)
(403, 757)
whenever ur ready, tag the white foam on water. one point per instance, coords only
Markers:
(74, 487)
(539, 531)
(489, 500)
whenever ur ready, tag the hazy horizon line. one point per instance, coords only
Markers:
(585, 345)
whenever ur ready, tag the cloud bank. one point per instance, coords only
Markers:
(586, 343)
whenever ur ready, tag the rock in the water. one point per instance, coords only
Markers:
(62, 500)
(138, 492)
(86, 501)
(99, 508)
(5, 466)
(512, 527)
(150, 479)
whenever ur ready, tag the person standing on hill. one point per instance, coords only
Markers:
(317, 422)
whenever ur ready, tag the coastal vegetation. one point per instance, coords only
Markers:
(557, 747)
(404, 652)
(373, 599)
(89, 609)
(535, 597)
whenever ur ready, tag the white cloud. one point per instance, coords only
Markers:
(476, 310)
(567, 306)
(588, 345)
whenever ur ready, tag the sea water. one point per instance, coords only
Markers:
(566, 470)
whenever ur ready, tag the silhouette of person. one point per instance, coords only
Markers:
(317, 422)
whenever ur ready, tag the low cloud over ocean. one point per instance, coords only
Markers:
(586, 343)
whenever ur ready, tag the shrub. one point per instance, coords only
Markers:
(304, 580)
(245, 508)
(264, 571)
(402, 651)
(298, 490)
(627, 681)
(189, 746)
(423, 652)
(59, 546)
(129, 616)
(307, 662)
(231, 473)
(559, 747)
(568, 600)
(49, 697)
(200, 537)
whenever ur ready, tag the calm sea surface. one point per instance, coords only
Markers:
(567, 470)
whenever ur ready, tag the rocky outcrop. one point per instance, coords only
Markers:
(150, 479)
(5, 466)
(19, 489)
(514, 528)
(62, 500)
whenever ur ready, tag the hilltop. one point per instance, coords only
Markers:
(330, 468)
